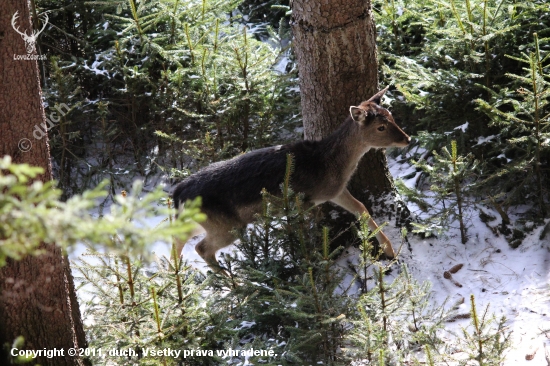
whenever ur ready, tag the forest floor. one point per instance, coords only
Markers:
(515, 283)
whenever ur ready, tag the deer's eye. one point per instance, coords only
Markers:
(381, 128)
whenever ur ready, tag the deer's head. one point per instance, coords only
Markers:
(377, 124)
(30, 40)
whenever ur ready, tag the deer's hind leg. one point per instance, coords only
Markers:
(181, 243)
(218, 236)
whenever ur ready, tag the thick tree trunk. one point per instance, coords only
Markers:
(335, 47)
(37, 295)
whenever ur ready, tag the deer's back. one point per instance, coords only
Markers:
(228, 186)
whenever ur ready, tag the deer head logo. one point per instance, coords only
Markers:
(30, 40)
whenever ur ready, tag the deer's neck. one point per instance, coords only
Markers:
(343, 149)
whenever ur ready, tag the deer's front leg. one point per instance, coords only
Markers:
(348, 202)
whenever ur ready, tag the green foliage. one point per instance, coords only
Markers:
(451, 177)
(190, 69)
(32, 213)
(135, 308)
(283, 293)
(395, 316)
(488, 340)
(366, 260)
(272, 12)
(459, 66)
(523, 116)
(130, 308)
(64, 136)
(173, 83)
(284, 286)
(453, 50)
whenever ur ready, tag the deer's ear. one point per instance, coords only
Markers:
(377, 98)
(357, 114)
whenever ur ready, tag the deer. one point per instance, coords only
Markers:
(30, 41)
(231, 189)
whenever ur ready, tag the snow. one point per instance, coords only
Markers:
(481, 140)
(245, 325)
(95, 68)
(514, 282)
(281, 65)
(462, 127)
(502, 156)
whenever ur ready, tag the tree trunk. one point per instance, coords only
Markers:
(335, 47)
(37, 294)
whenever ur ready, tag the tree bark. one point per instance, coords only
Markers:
(37, 294)
(335, 47)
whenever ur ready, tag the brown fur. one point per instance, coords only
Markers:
(231, 189)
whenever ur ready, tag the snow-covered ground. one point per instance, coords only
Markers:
(514, 282)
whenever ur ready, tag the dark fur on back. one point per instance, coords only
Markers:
(227, 185)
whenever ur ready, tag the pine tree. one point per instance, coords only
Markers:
(523, 117)
(284, 286)
(451, 177)
(488, 340)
